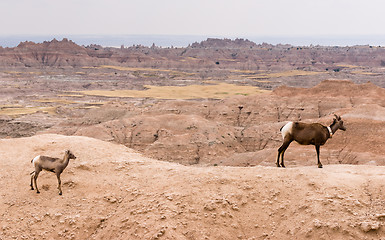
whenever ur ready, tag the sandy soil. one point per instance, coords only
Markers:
(217, 177)
(113, 192)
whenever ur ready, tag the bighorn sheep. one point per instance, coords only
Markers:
(308, 134)
(55, 165)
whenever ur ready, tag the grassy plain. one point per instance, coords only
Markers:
(14, 111)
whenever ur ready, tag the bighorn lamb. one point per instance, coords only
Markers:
(55, 165)
(308, 134)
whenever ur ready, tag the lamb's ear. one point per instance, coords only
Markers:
(337, 117)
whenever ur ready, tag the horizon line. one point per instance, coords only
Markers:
(183, 40)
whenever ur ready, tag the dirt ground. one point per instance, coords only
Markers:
(181, 143)
(113, 192)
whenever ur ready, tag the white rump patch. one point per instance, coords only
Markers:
(287, 129)
(35, 159)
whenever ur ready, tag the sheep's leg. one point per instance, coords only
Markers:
(281, 152)
(32, 175)
(59, 183)
(35, 180)
(317, 147)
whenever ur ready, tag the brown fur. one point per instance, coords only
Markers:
(309, 134)
(55, 165)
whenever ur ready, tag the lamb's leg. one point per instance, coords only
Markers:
(34, 179)
(317, 147)
(59, 183)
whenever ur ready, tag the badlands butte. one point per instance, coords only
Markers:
(181, 143)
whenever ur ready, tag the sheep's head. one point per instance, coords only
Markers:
(338, 121)
(70, 155)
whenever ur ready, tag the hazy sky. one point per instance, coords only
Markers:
(232, 18)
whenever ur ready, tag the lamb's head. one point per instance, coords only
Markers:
(70, 155)
(338, 121)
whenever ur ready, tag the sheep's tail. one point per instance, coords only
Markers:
(33, 172)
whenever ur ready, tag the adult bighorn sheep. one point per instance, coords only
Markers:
(55, 165)
(308, 134)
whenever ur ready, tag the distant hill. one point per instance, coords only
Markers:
(224, 43)
(233, 54)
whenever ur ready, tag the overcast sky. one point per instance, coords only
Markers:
(193, 17)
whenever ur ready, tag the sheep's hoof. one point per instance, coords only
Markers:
(278, 165)
(60, 193)
(283, 166)
(319, 166)
(38, 192)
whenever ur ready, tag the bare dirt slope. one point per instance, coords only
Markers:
(112, 192)
(243, 130)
